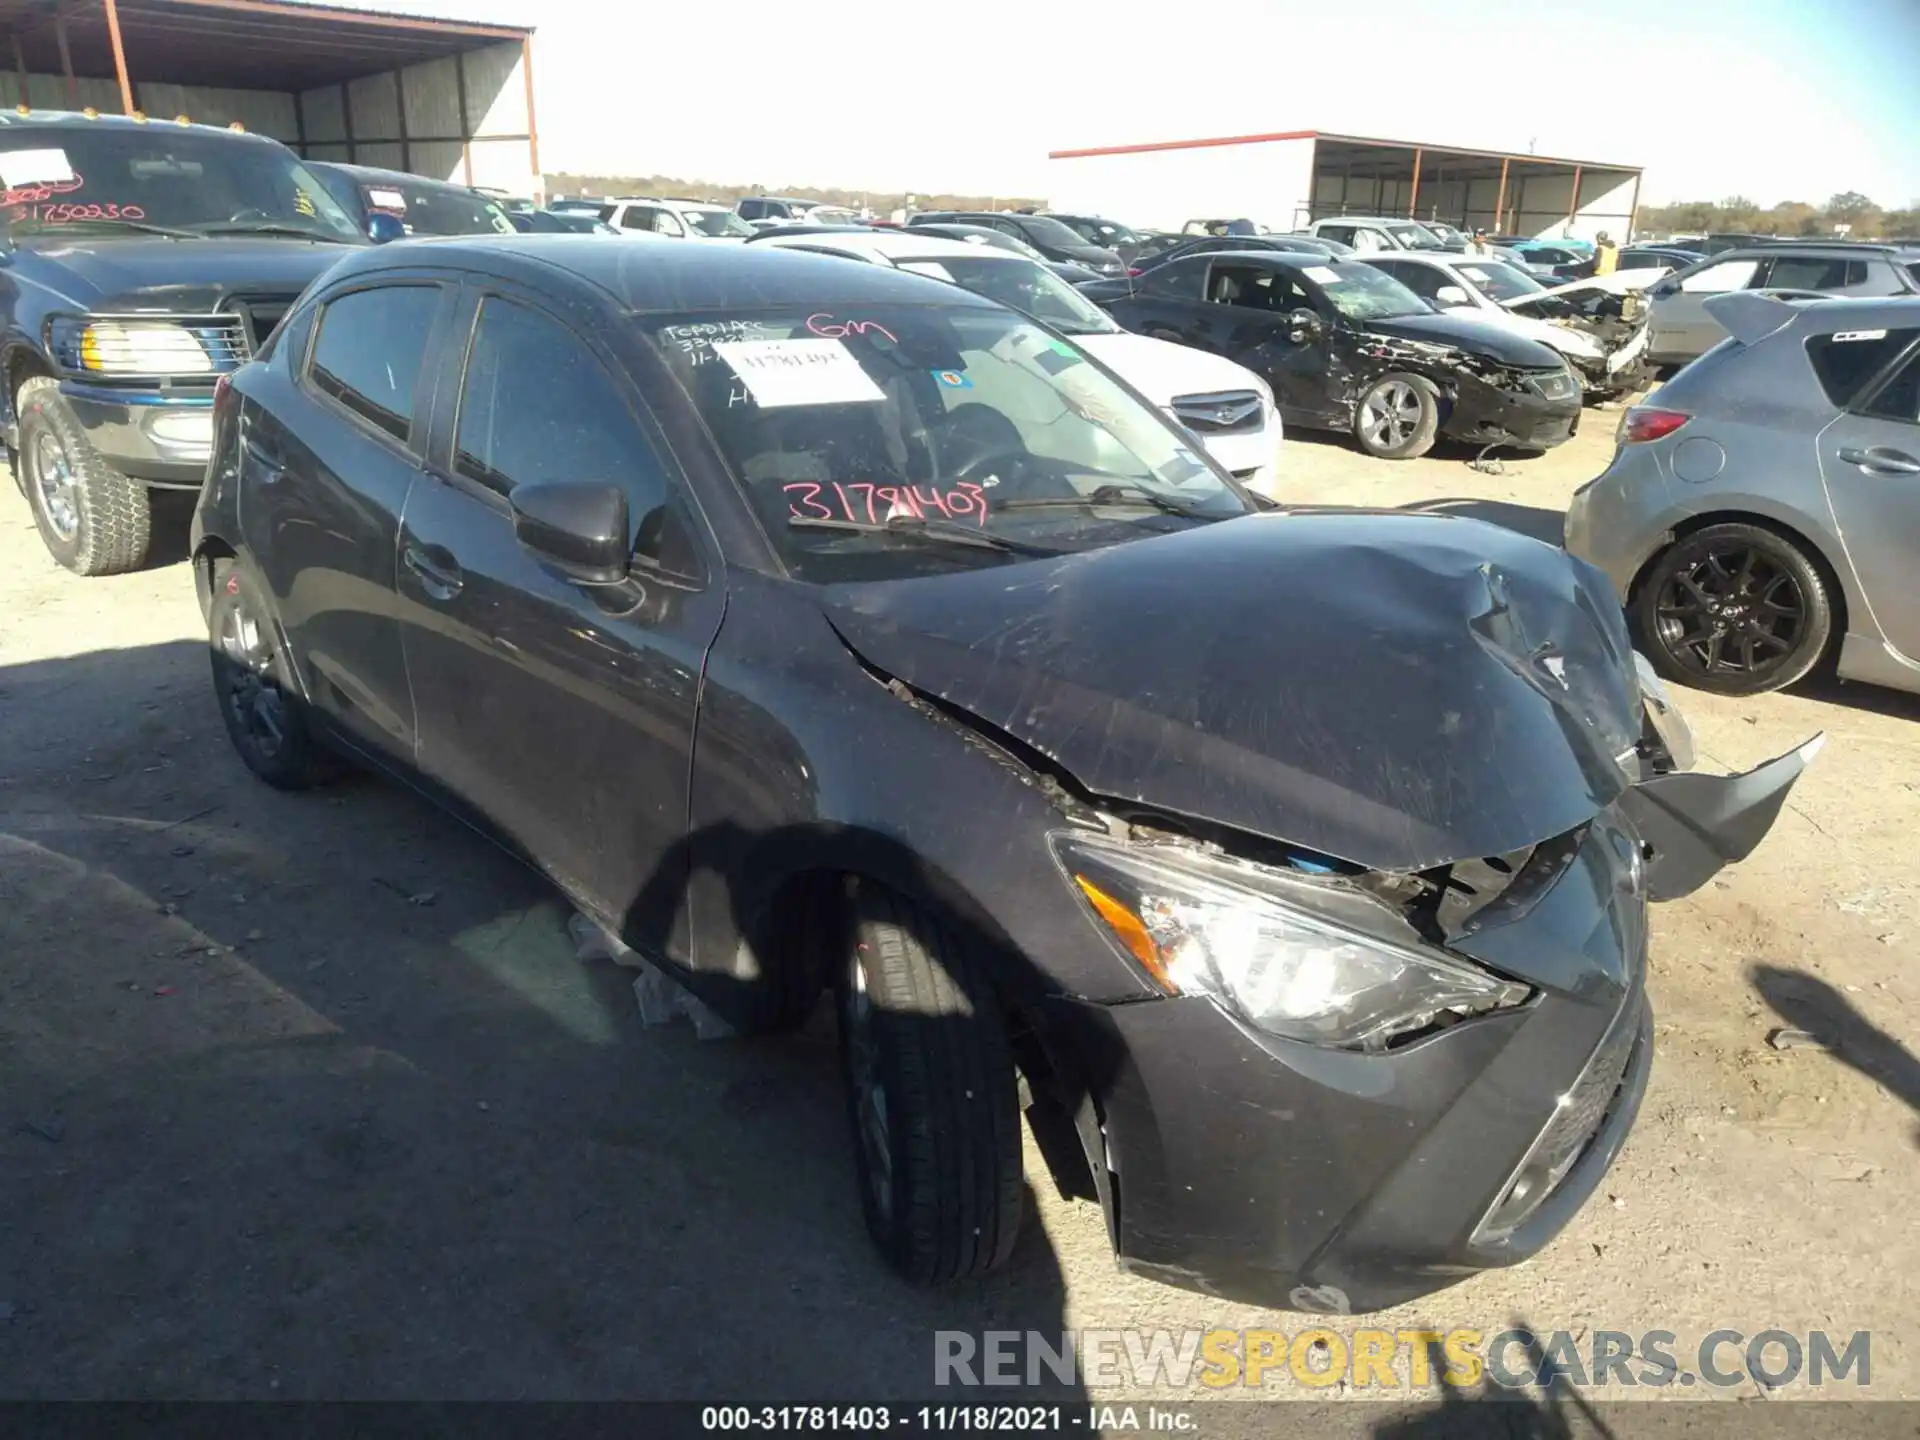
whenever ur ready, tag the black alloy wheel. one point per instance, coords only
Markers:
(1735, 609)
(264, 715)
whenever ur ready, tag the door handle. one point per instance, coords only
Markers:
(269, 469)
(439, 573)
(1881, 460)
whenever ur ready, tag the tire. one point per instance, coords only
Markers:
(1734, 609)
(1398, 417)
(92, 519)
(265, 716)
(931, 1094)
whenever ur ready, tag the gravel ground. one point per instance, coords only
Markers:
(308, 1095)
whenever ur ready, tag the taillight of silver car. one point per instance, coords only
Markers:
(1646, 422)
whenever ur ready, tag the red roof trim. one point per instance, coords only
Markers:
(1182, 144)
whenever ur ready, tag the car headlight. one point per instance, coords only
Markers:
(1320, 961)
(123, 347)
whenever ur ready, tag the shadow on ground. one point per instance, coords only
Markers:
(1806, 1002)
(308, 1096)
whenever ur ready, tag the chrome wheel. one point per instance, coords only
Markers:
(251, 692)
(1734, 611)
(53, 477)
(869, 1093)
(1390, 415)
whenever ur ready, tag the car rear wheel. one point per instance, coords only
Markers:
(1735, 609)
(1397, 418)
(931, 1093)
(92, 519)
(253, 683)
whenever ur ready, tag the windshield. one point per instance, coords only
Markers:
(1020, 285)
(884, 440)
(1044, 230)
(1360, 292)
(1498, 280)
(165, 177)
(1104, 233)
(428, 209)
(1416, 237)
(999, 240)
(716, 222)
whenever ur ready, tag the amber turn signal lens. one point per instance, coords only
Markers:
(1132, 934)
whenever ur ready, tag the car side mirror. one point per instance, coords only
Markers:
(1663, 289)
(382, 227)
(1303, 324)
(1449, 297)
(578, 528)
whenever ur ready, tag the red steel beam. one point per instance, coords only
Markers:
(119, 57)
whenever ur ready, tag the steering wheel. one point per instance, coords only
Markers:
(984, 462)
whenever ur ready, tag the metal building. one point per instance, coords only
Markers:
(438, 97)
(1287, 179)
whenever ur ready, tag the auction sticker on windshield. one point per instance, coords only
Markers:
(386, 200)
(799, 372)
(1322, 274)
(35, 167)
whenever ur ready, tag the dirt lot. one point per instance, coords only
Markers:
(308, 1096)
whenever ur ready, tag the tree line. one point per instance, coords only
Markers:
(1865, 219)
(882, 202)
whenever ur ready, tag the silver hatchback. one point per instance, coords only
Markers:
(1762, 510)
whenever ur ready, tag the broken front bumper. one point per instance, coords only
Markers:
(1482, 414)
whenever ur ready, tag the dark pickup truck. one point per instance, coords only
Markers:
(140, 261)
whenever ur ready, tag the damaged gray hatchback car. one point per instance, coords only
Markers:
(823, 627)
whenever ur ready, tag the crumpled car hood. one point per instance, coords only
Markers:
(1395, 690)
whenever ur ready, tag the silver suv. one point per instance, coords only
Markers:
(1681, 329)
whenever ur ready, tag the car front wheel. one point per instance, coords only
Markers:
(931, 1093)
(1397, 418)
(92, 519)
(1734, 609)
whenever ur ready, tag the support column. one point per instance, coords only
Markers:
(1633, 212)
(466, 123)
(66, 59)
(1573, 208)
(1413, 194)
(1500, 204)
(119, 57)
(400, 109)
(533, 130)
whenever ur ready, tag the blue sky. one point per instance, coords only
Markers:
(1773, 99)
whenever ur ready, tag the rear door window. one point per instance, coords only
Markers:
(368, 355)
(1342, 233)
(1899, 398)
(1177, 279)
(1813, 272)
(1847, 360)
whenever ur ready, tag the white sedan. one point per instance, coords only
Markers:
(1226, 406)
(1600, 324)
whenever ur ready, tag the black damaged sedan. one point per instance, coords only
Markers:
(826, 629)
(1349, 348)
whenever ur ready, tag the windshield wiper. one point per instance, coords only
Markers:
(49, 227)
(932, 532)
(1109, 497)
(265, 227)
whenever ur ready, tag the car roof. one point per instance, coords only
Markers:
(1825, 250)
(665, 278)
(1856, 312)
(395, 177)
(891, 245)
(1368, 220)
(75, 120)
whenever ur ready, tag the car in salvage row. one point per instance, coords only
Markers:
(1600, 329)
(1348, 348)
(823, 628)
(1762, 511)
